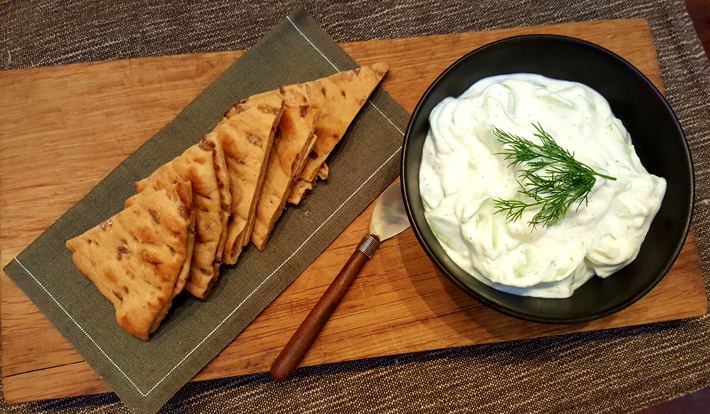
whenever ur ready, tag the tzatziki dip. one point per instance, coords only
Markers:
(464, 174)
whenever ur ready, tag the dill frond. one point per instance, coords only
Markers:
(550, 178)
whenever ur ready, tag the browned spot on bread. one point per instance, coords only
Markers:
(117, 295)
(282, 90)
(254, 140)
(312, 155)
(185, 211)
(146, 234)
(206, 145)
(154, 215)
(343, 94)
(172, 250)
(239, 107)
(205, 271)
(122, 250)
(322, 90)
(150, 258)
(303, 111)
(110, 276)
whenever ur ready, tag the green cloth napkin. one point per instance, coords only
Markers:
(146, 374)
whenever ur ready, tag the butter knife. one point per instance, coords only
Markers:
(388, 220)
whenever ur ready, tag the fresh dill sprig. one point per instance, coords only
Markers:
(550, 178)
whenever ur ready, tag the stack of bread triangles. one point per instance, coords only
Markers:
(203, 207)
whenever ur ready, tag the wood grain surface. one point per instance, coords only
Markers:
(75, 123)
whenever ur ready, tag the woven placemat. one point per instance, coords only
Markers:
(606, 371)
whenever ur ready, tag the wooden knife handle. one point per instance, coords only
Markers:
(306, 334)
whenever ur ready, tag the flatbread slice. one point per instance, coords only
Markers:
(293, 141)
(247, 134)
(301, 187)
(182, 189)
(136, 257)
(301, 162)
(197, 165)
(338, 98)
(225, 194)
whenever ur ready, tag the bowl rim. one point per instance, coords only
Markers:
(491, 303)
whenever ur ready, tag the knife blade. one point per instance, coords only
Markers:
(388, 220)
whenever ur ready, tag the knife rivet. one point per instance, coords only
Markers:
(368, 245)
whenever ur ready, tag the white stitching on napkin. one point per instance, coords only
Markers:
(385, 116)
(144, 394)
(311, 43)
(78, 326)
(336, 68)
(278, 268)
(229, 315)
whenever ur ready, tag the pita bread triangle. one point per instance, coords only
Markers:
(137, 257)
(197, 165)
(220, 166)
(338, 98)
(185, 191)
(293, 141)
(247, 134)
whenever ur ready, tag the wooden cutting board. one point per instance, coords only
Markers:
(75, 123)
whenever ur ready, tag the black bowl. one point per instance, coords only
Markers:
(655, 132)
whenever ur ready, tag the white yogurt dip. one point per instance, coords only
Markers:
(462, 172)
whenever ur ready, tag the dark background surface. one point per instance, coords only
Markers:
(699, 402)
(28, 38)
